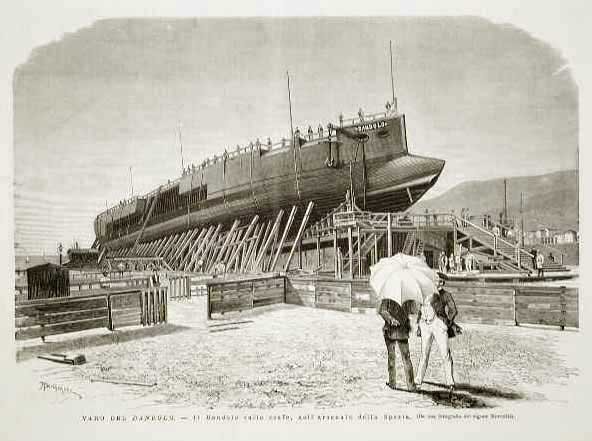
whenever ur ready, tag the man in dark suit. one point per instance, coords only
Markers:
(396, 332)
(436, 322)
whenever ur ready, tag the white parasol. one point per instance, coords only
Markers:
(402, 278)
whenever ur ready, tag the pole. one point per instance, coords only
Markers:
(181, 146)
(290, 107)
(335, 263)
(389, 236)
(350, 252)
(292, 137)
(131, 181)
(505, 201)
(392, 78)
(522, 219)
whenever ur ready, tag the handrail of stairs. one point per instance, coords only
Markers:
(517, 241)
(496, 239)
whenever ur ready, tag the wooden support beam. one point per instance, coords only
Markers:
(155, 245)
(254, 246)
(173, 246)
(206, 253)
(199, 232)
(218, 255)
(299, 234)
(236, 252)
(389, 235)
(258, 245)
(359, 254)
(142, 249)
(269, 255)
(335, 263)
(163, 245)
(195, 247)
(409, 195)
(234, 243)
(202, 247)
(284, 236)
(350, 252)
(182, 246)
(150, 245)
(247, 248)
(318, 252)
(375, 260)
(148, 215)
(263, 250)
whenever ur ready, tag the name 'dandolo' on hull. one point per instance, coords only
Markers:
(369, 154)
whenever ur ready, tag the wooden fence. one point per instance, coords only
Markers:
(480, 303)
(502, 304)
(83, 285)
(41, 318)
(240, 295)
(551, 306)
(179, 287)
(327, 293)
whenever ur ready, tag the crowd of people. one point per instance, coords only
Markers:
(457, 262)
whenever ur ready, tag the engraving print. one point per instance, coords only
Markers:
(291, 218)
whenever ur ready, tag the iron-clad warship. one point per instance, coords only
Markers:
(366, 155)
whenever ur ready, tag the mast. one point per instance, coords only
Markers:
(292, 135)
(521, 219)
(131, 182)
(181, 146)
(392, 76)
(505, 220)
(290, 106)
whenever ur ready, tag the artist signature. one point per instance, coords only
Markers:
(51, 387)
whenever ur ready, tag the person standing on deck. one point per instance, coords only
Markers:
(451, 261)
(469, 261)
(442, 262)
(533, 251)
(540, 260)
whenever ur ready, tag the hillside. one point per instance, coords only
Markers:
(550, 200)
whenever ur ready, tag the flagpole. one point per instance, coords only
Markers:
(290, 106)
(392, 77)
(181, 146)
(131, 181)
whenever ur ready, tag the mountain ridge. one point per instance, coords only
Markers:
(549, 200)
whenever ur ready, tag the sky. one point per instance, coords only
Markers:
(490, 99)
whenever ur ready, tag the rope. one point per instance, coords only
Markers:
(296, 167)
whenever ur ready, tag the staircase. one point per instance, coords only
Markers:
(365, 248)
(409, 243)
(419, 247)
(507, 255)
(511, 242)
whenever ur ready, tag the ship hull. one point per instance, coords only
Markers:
(383, 175)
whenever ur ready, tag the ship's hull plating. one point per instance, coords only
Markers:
(385, 177)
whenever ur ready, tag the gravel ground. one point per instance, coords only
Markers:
(286, 356)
